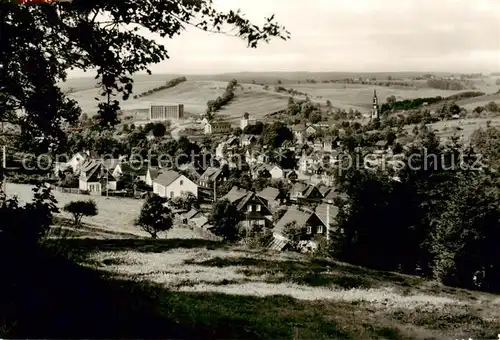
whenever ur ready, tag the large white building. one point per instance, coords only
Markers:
(218, 128)
(166, 112)
(172, 184)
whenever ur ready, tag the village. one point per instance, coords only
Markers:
(276, 176)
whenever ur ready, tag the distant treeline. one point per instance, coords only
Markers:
(465, 95)
(227, 96)
(410, 104)
(169, 84)
(293, 92)
(445, 84)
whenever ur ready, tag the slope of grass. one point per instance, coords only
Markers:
(185, 289)
(346, 96)
(240, 293)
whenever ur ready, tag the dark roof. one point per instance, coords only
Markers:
(324, 189)
(97, 173)
(166, 178)
(235, 194)
(154, 172)
(211, 173)
(241, 197)
(269, 193)
(293, 215)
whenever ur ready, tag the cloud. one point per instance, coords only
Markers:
(350, 35)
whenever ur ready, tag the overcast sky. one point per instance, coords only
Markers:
(350, 35)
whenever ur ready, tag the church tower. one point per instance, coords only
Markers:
(375, 109)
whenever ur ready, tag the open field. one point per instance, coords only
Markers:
(346, 96)
(240, 293)
(446, 129)
(471, 103)
(252, 98)
(193, 94)
(116, 215)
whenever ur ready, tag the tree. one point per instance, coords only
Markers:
(315, 118)
(328, 103)
(225, 219)
(391, 100)
(187, 201)
(159, 130)
(274, 135)
(246, 115)
(155, 216)
(81, 208)
(492, 107)
(85, 40)
(294, 233)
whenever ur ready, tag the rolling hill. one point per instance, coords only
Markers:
(254, 98)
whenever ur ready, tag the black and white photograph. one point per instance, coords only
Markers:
(236, 169)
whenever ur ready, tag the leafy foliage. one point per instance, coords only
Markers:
(106, 36)
(228, 95)
(24, 226)
(275, 134)
(81, 208)
(155, 216)
(294, 233)
(225, 218)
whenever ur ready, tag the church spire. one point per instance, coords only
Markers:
(375, 109)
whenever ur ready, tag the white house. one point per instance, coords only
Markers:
(95, 178)
(172, 184)
(277, 172)
(246, 122)
(73, 163)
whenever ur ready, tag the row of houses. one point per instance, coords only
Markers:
(256, 212)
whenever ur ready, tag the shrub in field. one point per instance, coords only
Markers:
(81, 208)
(155, 216)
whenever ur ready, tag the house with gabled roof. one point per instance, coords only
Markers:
(328, 215)
(95, 178)
(253, 208)
(303, 218)
(73, 164)
(138, 170)
(304, 193)
(172, 184)
(272, 196)
(212, 175)
(247, 140)
(311, 130)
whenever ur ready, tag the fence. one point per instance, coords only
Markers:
(68, 190)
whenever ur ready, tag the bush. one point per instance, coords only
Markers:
(81, 208)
